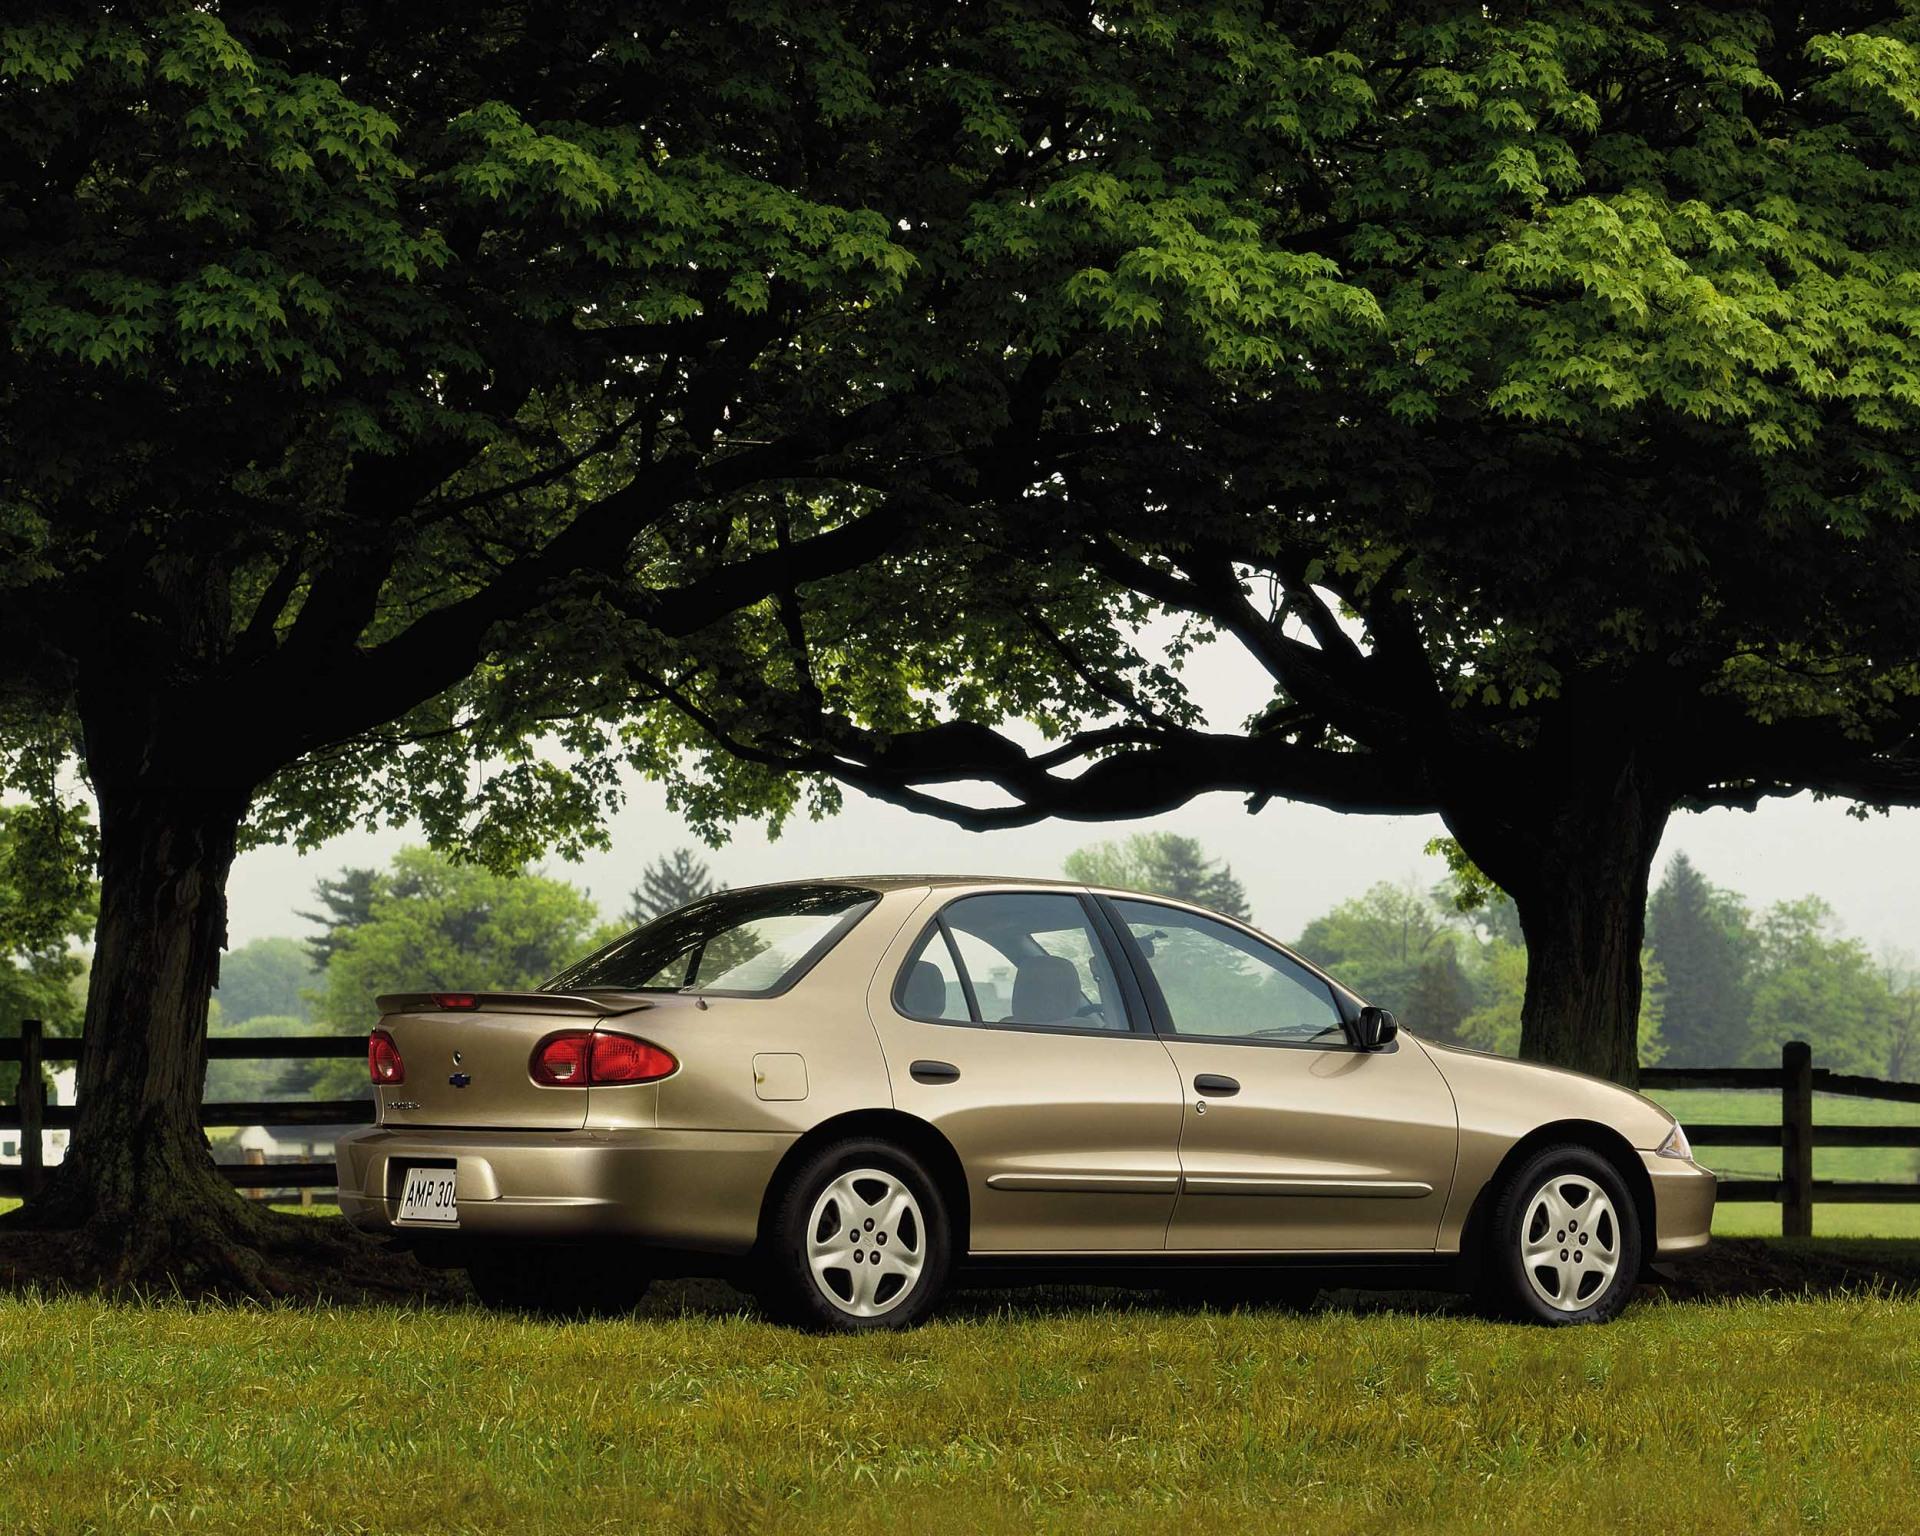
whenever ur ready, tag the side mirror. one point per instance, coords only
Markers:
(1376, 1028)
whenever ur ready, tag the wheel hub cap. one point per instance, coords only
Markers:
(866, 1242)
(1570, 1243)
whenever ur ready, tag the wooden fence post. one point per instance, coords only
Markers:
(1796, 1139)
(33, 1108)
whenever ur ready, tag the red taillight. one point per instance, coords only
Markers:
(456, 1000)
(573, 1058)
(560, 1061)
(384, 1065)
(623, 1059)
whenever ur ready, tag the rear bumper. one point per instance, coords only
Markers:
(698, 1190)
(1683, 1195)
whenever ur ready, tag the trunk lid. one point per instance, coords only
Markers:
(466, 1067)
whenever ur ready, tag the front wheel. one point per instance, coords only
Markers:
(1565, 1239)
(859, 1240)
(556, 1281)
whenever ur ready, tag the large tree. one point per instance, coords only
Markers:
(367, 367)
(1604, 510)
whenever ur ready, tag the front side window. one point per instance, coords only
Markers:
(1221, 982)
(1016, 958)
(745, 942)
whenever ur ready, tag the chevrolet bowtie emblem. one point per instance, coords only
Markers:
(460, 1079)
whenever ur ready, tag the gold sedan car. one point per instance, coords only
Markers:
(844, 1093)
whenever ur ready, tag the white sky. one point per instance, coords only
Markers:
(1295, 860)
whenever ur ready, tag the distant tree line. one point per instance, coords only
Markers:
(1736, 983)
(1724, 985)
(1165, 863)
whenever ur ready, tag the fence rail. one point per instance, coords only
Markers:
(1796, 1191)
(30, 1114)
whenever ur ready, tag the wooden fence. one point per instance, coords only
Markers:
(1796, 1190)
(30, 1113)
(1798, 1079)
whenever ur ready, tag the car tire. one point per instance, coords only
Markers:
(858, 1239)
(1563, 1240)
(558, 1281)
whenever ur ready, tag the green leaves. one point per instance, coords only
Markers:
(442, 925)
(1526, 331)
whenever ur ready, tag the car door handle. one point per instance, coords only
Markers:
(1215, 1086)
(934, 1072)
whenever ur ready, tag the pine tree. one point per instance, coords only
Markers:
(670, 881)
(346, 902)
(1701, 938)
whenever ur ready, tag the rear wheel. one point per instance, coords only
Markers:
(859, 1240)
(1565, 1240)
(556, 1281)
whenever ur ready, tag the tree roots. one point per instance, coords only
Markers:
(222, 1248)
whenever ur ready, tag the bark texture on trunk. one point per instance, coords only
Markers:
(1575, 851)
(138, 1180)
(138, 1205)
(163, 919)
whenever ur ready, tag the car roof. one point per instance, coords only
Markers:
(884, 883)
(905, 882)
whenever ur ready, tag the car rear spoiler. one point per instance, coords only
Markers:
(566, 1004)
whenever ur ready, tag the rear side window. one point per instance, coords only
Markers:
(739, 943)
(930, 986)
(1016, 959)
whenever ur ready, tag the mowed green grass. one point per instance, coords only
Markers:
(1058, 1414)
(1740, 1107)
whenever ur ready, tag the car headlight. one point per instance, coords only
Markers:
(1676, 1144)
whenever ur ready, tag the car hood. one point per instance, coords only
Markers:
(1498, 1092)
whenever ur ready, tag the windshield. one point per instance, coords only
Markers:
(752, 942)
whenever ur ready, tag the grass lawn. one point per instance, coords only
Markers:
(1054, 1413)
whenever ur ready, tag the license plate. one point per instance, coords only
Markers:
(428, 1195)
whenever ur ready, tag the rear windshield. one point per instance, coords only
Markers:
(748, 943)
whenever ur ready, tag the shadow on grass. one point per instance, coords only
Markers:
(716, 1298)
(1732, 1268)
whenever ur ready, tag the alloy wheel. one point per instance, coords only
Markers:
(866, 1242)
(1570, 1242)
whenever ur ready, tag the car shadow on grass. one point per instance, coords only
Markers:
(1733, 1268)
(984, 1303)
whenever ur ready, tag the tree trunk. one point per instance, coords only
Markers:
(138, 1202)
(138, 1178)
(1575, 851)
